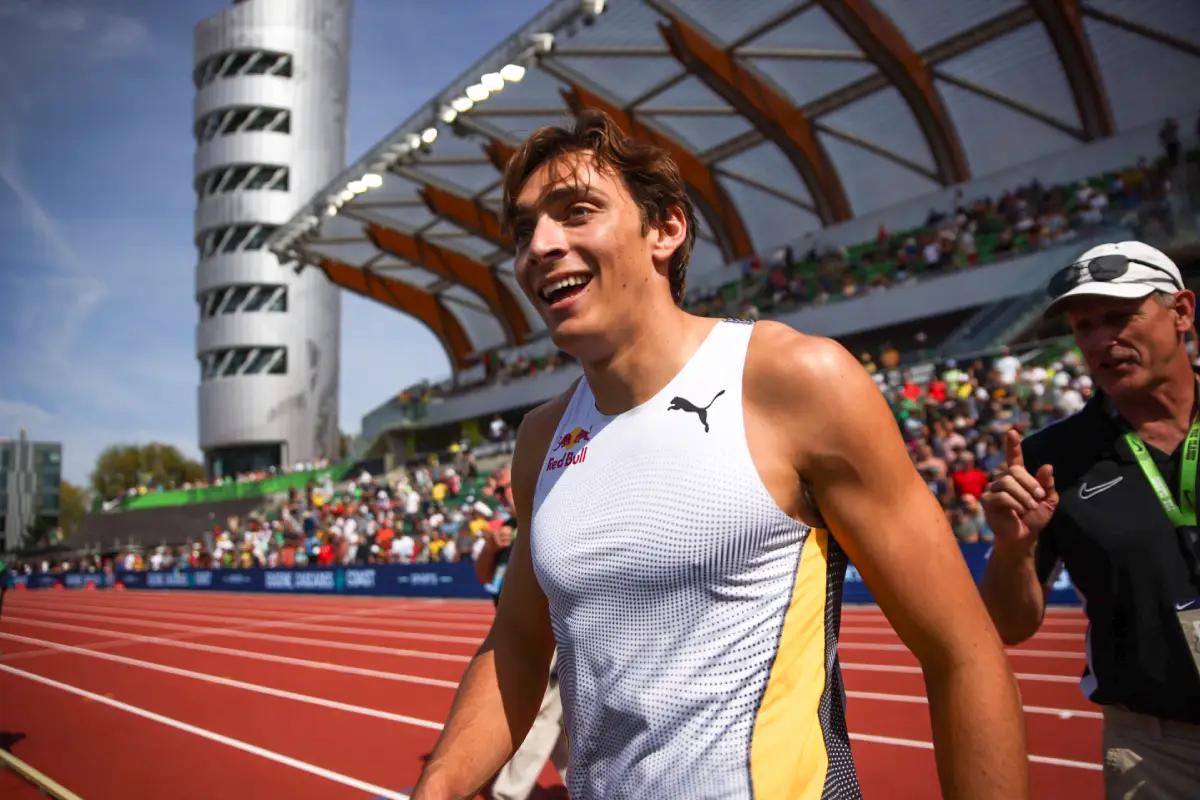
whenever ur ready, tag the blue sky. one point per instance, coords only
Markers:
(97, 314)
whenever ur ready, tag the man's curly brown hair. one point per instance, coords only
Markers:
(650, 174)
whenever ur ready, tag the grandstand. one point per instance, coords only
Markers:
(925, 165)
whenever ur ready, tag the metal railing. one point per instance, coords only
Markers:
(44, 783)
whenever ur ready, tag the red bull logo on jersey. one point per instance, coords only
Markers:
(572, 439)
(566, 445)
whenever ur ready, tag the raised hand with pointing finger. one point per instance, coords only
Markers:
(1018, 505)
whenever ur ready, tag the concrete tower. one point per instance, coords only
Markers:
(271, 81)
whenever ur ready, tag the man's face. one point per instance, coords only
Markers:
(1128, 344)
(583, 257)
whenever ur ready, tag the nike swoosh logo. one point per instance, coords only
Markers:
(1086, 492)
(1185, 605)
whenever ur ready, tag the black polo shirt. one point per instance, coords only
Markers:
(1123, 555)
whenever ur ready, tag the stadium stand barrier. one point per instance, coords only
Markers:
(456, 580)
(238, 490)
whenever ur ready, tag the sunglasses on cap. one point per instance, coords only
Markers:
(1102, 269)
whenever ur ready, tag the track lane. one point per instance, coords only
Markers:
(381, 751)
(1052, 678)
(102, 752)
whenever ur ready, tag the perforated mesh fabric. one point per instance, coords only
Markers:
(669, 568)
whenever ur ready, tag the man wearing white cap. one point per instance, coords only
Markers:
(1109, 493)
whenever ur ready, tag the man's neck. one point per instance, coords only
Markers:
(1166, 410)
(646, 358)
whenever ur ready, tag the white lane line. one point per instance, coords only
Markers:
(249, 687)
(480, 605)
(227, 651)
(258, 636)
(1079, 621)
(898, 648)
(271, 637)
(431, 614)
(237, 744)
(1057, 762)
(190, 632)
(884, 631)
(1060, 713)
(908, 670)
(385, 632)
(1062, 762)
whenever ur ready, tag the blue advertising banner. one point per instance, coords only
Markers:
(976, 556)
(411, 580)
(81, 580)
(400, 580)
(41, 581)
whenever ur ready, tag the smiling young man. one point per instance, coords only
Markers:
(1109, 493)
(690, 504)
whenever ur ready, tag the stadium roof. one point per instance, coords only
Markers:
(785, 116)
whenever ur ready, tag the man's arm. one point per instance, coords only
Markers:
(1012, 592)
(1019, 573)
(848, 449)
(503, 686)
(485, 563)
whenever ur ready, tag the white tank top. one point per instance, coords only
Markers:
(696, 623)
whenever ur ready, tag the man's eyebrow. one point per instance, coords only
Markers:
(557, 195)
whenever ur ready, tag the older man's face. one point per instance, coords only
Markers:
(1129, 344)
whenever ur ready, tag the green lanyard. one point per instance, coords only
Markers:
(1180, 517)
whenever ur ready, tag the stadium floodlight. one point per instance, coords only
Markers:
(331, 211)
(346, 195)
(477, 93)
(512, 73)
(414, 141)
(357, 187)
(543, 43)
(462, 104)
(372, 180)
(448, 115)
(429, 135)
(492, 82)
(591, 9)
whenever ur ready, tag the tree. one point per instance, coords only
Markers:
(39, 534)
(71, 507)
(122, 466)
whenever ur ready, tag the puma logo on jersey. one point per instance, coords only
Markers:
(683, 404)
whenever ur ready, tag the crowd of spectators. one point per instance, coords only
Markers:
(953, 421)
(974, 233)
(432, 513)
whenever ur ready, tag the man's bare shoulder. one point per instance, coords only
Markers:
(795, 367)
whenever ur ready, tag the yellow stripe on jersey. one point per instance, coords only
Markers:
(788, 758)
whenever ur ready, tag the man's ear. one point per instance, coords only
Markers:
(668, 236)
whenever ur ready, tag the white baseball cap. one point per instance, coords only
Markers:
(1147, 270)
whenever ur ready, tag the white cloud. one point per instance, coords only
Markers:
(120, 36)
(15, 415)
(102, 34)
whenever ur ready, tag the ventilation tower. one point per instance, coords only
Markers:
(270, 125)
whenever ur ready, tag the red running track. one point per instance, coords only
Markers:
(182, 695)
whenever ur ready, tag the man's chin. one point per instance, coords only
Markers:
(1120, 383)
(579, 339)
